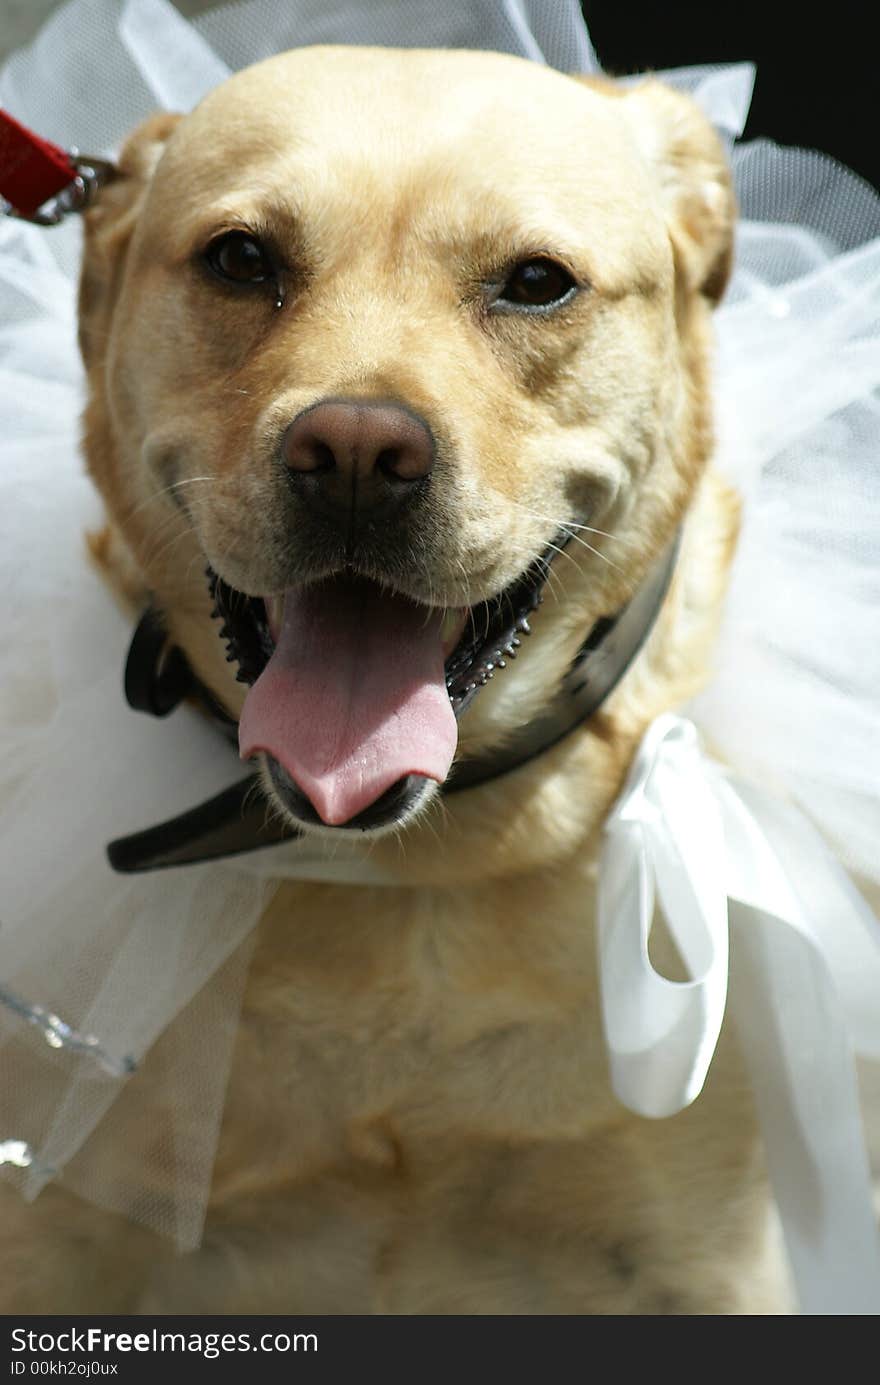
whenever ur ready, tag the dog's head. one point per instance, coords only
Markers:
(371, 335)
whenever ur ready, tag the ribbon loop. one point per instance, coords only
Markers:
(663, 839)
(805, 952)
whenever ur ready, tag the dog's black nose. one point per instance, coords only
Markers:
(357, 454)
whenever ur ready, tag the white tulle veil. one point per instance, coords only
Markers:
(118, 991)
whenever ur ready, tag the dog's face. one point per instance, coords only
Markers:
(371, 334)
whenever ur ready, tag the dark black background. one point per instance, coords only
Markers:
(818, 81)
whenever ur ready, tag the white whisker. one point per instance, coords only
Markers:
(166, 490)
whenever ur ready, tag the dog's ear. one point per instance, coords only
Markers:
(687, 159)
(109, 226)
(686, 155)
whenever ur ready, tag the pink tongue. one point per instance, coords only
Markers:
(353, 698)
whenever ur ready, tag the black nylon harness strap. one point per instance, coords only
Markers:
(599, 665)
(236, 820)
(158, 677)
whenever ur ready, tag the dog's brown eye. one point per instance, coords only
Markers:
(537, 283)
(239, 257)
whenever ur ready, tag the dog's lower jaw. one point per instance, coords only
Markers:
(391, 812)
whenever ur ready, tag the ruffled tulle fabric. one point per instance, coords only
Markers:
(119, 995)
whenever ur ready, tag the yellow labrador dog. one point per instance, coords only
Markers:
(387, 340)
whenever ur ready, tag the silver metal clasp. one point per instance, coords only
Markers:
(91, 175)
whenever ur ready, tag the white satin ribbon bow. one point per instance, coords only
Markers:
(724, 857)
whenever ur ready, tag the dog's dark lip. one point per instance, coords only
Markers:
(492, 633)
(390, 807)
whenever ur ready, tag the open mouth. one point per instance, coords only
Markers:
(355, 690)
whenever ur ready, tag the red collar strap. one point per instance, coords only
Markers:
(41, 182)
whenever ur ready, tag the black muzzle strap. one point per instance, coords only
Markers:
(158, 677)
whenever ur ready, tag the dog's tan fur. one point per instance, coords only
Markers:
(419, 1118)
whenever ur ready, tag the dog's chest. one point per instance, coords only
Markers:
(382, 1021)
(420, 1082)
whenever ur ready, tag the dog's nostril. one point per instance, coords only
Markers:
(390, 463)
(325, 459)
(309, 455)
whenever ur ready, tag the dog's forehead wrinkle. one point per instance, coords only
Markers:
(398, 243)
(419, 215)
